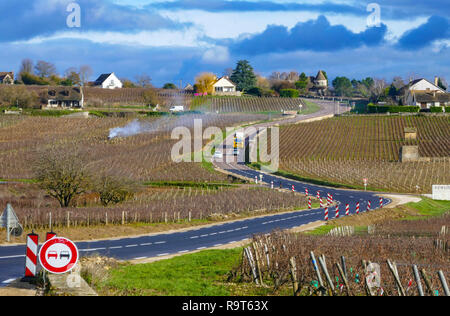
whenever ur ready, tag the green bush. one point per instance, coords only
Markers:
(447, 109)
(255, 91)
(289, 93)
(436, 109)
(392, 109)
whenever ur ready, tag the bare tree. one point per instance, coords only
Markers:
(113, 190)
(398, 82)
(26, 66)
(144, 81)
(62, 173)
(85, 73)
(378, 88)
(228, 72)
(45, 69)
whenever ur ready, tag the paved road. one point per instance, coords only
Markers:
(12, 258)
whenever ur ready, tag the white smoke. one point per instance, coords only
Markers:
(133, 128)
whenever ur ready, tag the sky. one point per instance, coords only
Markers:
(174, 40)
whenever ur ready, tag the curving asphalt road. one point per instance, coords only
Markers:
(12, 258)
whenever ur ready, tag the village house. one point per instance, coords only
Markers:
(425, 94)
(108, 81)
(225, 87)
(63, 97)
(6, 77)
(189, 88)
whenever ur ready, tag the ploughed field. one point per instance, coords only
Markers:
(345, 150)
(143, 157)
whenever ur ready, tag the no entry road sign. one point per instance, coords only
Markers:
(58, 255)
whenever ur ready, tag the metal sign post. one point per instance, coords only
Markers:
(10, 221)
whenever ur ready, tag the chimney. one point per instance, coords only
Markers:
(436, 81)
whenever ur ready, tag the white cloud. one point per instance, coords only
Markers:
(217, 54)
(162, 38)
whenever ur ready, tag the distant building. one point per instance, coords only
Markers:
(63, 97)
(108, 81)
(6, 77)
(224, 86)
(425, 94)
(319, 83)
(189, 87)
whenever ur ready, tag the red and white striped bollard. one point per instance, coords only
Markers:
(357, 208)
(368, 206)
(326, 214)
(309, 203)
(337, 211)
(49, 236)
(31, 255)
(347, 210)
(381, 202)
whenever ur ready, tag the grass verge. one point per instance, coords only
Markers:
(200, 274)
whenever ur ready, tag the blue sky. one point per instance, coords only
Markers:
(173, 40)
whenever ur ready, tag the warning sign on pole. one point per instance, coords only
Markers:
(58, 255)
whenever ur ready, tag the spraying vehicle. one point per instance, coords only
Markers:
(239, 139)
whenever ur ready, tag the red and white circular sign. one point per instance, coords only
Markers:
(58, 255)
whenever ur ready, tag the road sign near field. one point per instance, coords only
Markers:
(58, 255)
(10, 221)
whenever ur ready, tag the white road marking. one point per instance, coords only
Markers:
(183, 251)
(93, 249)
(8, 281)
(11, 257)
(201, 248)
(194, 237)
(131, 246)
(163, 254)
(140, 258)
(117, 247)
(160, 242)
(147, 244)
(218, 245)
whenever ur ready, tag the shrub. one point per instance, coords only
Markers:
(392, 109)
(447, 109)
(436, 109)
(289, 93)
(255, 91)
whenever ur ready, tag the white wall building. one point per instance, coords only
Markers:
(224, 86)
(423, 93)
(108, 81)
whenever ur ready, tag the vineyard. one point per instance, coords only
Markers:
(345, 150)
(347, 266)
(144, 157)
(245, 104)
(150, 205)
